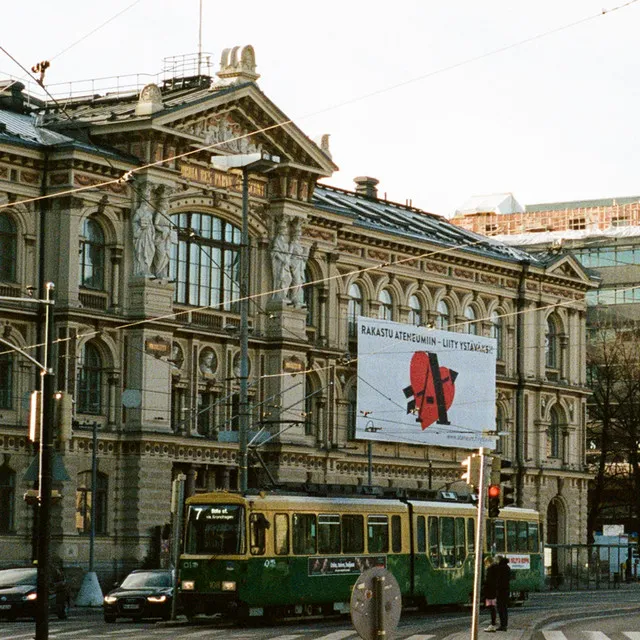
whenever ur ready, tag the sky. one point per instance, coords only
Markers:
(439, 100)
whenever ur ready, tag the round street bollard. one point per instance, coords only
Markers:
(376, 604)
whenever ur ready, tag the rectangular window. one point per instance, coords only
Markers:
(447, 542)
(522, 535)
(533, 537)
(498, 536)
(257, 528)
(512, 536)
(434, 542)
(378, 534)
(6, 381)
(461, 551)
(304, 533)
(421, 535)
(281, 534)
(471, 536)
(352, 534)
(328, 533)
(396, 534)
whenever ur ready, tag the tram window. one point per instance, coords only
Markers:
(447, 542)
(512, 538)
(461, 551)
(378, 534)
(498, 536)
(471, 536)
(434, 543)
(396, 534)
(522, 536)
(533, 537)
(258, 525)
(328, 533)
(421, 535)
(304, 533)
(281, 534)
(352, 534)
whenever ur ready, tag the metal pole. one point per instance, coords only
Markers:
(378, 589)
(200, 40)
(44, 510)
(178, 505)
(94, 485)
(244, 334)
(479, 549)
(370, 455)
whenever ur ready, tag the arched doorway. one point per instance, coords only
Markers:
(554, 539)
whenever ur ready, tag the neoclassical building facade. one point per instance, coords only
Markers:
(116, 201)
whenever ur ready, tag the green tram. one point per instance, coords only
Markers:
(284, 555)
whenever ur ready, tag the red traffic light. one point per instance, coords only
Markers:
(493, 491)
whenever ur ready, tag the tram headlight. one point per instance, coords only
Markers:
(228, 586)
(188, 585)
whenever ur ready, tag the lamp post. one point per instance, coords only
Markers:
(258, 162)
(46, 447)
(370, 428)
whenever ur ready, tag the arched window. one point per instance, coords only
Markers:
(415, 311)
(471, 326)
(496, 331)
(8, 249)
(551, 343)
(311, 413)
(553, 436)
(90, 380)
(92, 256)
(385, 310)
(352, 411)
(309, 293)
(205, 263)
(442, 320)
(7, 498)
(355, 308)
(6, 381)
(84, 496)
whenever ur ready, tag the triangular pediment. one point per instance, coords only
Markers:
(568, 266)
(243, 120)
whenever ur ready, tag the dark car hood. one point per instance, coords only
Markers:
(16, 590)
(142, 592)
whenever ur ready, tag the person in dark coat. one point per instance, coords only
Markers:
(503, 589)
(490, 590)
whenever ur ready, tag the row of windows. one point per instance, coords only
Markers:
(608, 256)
(626, 295)
(84, 497)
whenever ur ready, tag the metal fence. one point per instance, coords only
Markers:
(574, 567)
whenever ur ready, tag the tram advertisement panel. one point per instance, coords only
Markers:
(423, 386)
(327, 565)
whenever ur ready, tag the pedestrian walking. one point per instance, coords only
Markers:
(502, 591)
(489, 590)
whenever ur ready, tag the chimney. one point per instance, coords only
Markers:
(367, 187)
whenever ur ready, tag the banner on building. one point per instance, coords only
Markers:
(423, 386)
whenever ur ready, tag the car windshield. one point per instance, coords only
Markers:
(12, 577)
(147, 579)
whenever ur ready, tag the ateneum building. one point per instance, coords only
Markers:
(114, 198)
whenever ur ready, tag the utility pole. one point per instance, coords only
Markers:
(244, 335)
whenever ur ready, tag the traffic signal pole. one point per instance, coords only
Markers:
(477, 573)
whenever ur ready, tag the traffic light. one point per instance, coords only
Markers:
(506, 489)
(471, 473)
(493, 493)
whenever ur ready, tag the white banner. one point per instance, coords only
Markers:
(422, 386)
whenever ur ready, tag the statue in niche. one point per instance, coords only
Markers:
(207, 362)
(298, 261)
(177, 358)
(281, 261)
(144, 246)
(165, 236)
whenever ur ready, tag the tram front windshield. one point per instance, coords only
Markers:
(217, 529)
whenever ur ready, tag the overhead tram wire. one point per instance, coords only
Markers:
(336, 105)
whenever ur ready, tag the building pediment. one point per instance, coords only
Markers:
(568, 267)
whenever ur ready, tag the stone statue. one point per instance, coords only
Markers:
(298, 257)
(208, 362)
(144, 247)
(281, 261)
(165, 236)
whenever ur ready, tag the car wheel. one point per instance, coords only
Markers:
(62, 611)
(109, 618)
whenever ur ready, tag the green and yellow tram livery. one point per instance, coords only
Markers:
(286, 555)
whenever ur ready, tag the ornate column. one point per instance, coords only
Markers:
(323, 295)
(116, 260)
(113, 378)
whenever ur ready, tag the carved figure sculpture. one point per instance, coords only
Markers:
(298, 257)
(208, 362)
(165, 237)
(143, 235)
(281, 261)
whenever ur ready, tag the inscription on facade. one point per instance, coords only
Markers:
(220, 179)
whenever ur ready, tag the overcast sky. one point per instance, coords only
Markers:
(553, 119)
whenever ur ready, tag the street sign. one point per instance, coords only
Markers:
(376, 604)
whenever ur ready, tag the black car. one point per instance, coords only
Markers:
(142, 594)
(18, 593)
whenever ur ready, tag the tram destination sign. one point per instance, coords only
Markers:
(423, 386)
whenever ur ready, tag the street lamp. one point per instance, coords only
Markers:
(258, 162)
(370, 428)
(46, 447)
